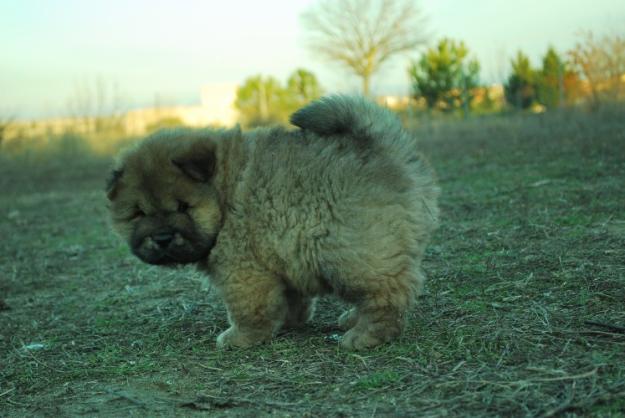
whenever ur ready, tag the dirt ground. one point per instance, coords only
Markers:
(523, 313)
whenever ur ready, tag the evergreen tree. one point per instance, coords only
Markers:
(520, 89)
(550, 83)
(445, 76)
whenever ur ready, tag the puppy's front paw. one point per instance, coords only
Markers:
(223, 339)
(357, 340)
(232, 337)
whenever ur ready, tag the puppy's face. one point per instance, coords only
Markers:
(163, 201)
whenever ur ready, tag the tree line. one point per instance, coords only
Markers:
(362, 36)
(446, 78)
(593, 72)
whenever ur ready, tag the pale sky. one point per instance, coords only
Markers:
(172, 48)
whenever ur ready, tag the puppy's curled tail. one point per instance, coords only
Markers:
(358, 118)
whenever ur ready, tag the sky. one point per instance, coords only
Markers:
(169, 49)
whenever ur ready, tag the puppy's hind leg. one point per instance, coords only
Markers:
(380, 312)
(257, 308)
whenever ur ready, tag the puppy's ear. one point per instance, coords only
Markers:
(198, 163)
(112, 183)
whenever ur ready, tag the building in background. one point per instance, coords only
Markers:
(216, 109)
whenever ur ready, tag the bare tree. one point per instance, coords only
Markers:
(362, 35)
(602, 64)
(97, 105)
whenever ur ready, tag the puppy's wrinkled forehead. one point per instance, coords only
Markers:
(155, 184)
(155, 193)
(151, 173)
(167, 164)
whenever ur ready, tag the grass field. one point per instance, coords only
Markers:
(523, 313)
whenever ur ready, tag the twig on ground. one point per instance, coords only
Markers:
(568, 406)
(206, 402)
(121, 395)
(6, 392)
(523, 382)
(568, 377)
(614, 328)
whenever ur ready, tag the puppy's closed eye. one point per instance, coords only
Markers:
(137, 214)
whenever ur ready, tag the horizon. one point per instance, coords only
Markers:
(160, 51)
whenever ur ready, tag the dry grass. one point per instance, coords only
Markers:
(523, 314)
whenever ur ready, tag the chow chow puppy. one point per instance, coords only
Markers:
(277, 217)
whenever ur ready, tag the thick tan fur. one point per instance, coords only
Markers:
(343, 205)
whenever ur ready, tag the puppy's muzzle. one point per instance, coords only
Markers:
(168, 246)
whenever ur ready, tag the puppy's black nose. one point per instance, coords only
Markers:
(163, 239)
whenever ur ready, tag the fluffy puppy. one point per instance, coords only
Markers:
(277, 217)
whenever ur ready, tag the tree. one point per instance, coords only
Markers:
(363, 35)
(445, 76)
(556, 83)
(550, 83)
(260, 101)
(303, 87)
(602, 64)
(520, 89)
(264, 101)
(97, 106)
